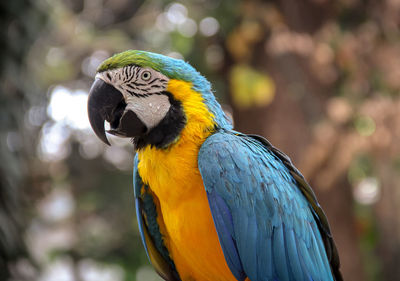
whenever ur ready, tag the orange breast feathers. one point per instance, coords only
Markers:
(184, 214)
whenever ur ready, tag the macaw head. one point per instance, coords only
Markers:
(152, 99)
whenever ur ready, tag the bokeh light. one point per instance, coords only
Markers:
(367, 191)
(69, 108)
(209, 26)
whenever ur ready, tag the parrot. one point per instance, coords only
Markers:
(211, 203)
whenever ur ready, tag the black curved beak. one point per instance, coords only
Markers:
(106, 103)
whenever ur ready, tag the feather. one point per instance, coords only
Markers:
(149, 231)
(279, 230)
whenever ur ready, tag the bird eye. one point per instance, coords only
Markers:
(146, 75)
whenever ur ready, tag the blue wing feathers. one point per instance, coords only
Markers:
(271, 231)
(140, 225)
(319, 215)
(323, 263)
(265, 262)
(304, 253)
(294, 258)
(223, 221)
(249, 256)
(279, 254)
(240, 221)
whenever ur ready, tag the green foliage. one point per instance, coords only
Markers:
(360, 168)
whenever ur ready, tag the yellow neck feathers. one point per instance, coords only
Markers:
(158, 167)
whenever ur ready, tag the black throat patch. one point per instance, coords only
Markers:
(167, 130)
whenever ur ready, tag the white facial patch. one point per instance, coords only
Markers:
(142, 90)
(151, 110)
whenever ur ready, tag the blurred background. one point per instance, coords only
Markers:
(319, 78)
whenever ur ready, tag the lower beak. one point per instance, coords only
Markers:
(106, 103)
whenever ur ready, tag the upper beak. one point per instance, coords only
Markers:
(103, 99)
(106, 103)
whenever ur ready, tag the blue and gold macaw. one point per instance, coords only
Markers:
(212, 203)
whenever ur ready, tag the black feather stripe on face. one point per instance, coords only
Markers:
(167, 130)
(129, 79)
